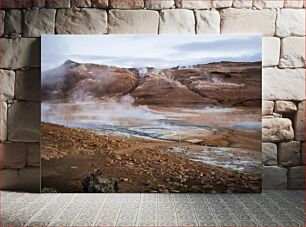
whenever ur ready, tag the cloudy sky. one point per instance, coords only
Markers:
(148, 50)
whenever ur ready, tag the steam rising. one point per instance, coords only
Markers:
(109, 112)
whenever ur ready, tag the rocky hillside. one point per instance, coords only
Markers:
(228, 83)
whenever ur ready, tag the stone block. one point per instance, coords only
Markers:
(102, 4)
(133, 22)
(25, 180)
(248, 21)
(20, 53)
(24, 122)
(33, 158)
(269, 154)
(285, 107)
(208, 22)
(299, 122)
(13, 21)
(267, 107)
(293, 52)
(289, 154)
(192, 4)
(159, 4)
(177, 21)
(293, 3)
(3, 121)
(262, 4)
(81, 21)
(242, 4)
(39, 22)
(303, 160)
(276, 84)
(222, 3)
(2, 15)
(27, 86)
(13, 155)
(271, 51)
(290, 22)
(296, 177)
(274, 177)
(80, 3)
(15, 4)
(39, 3)
(126, 4)
(7, 85)
(277, 129)
(56, 4)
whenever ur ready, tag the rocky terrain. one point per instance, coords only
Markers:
(140, 165)
(227, 83)
(182, 129)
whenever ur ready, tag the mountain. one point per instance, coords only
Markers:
(227, 83)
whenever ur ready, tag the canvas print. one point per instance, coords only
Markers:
(148, 113)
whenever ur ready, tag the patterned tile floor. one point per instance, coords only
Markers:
(271, 208)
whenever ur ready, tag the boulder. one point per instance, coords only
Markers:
(95, 182)
(277, 129)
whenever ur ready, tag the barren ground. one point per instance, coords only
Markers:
(142, 165)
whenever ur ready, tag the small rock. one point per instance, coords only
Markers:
(95, 182)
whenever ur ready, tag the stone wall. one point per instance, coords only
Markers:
(281, 22)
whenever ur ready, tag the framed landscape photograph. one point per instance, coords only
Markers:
(149, 113)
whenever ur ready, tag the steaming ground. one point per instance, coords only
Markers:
(182, 129)
(223, 138)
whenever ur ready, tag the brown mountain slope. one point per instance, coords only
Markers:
(227, 83)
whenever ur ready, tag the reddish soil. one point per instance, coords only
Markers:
(141, 165)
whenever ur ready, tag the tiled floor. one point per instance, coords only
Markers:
(271, 208)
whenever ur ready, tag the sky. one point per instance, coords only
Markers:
(159, 51)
